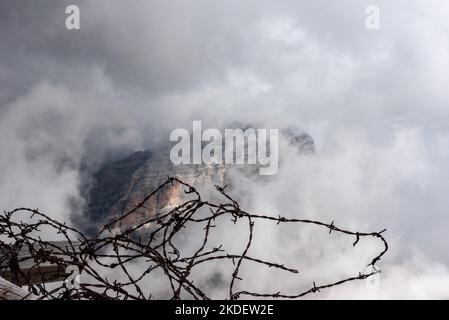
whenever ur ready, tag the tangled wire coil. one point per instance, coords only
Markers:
(117, 250)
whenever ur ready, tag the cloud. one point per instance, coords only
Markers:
(375, 103)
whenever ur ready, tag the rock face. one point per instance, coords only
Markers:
(120, 185)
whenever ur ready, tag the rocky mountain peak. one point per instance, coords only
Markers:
(120, 185)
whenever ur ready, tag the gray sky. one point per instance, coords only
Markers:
(375, 102)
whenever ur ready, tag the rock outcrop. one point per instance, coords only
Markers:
(120, 185)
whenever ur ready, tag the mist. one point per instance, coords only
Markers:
(374, 101)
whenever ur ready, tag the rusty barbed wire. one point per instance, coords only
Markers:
(149, 243)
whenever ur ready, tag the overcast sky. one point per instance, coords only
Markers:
(376, 103)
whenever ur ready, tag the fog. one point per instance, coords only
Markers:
(374, 101)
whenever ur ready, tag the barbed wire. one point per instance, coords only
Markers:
(150, 243)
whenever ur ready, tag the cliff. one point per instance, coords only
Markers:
(120, 185)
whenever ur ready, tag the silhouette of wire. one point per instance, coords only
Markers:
(148, 243)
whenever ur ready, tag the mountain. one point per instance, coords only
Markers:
(119, 185)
